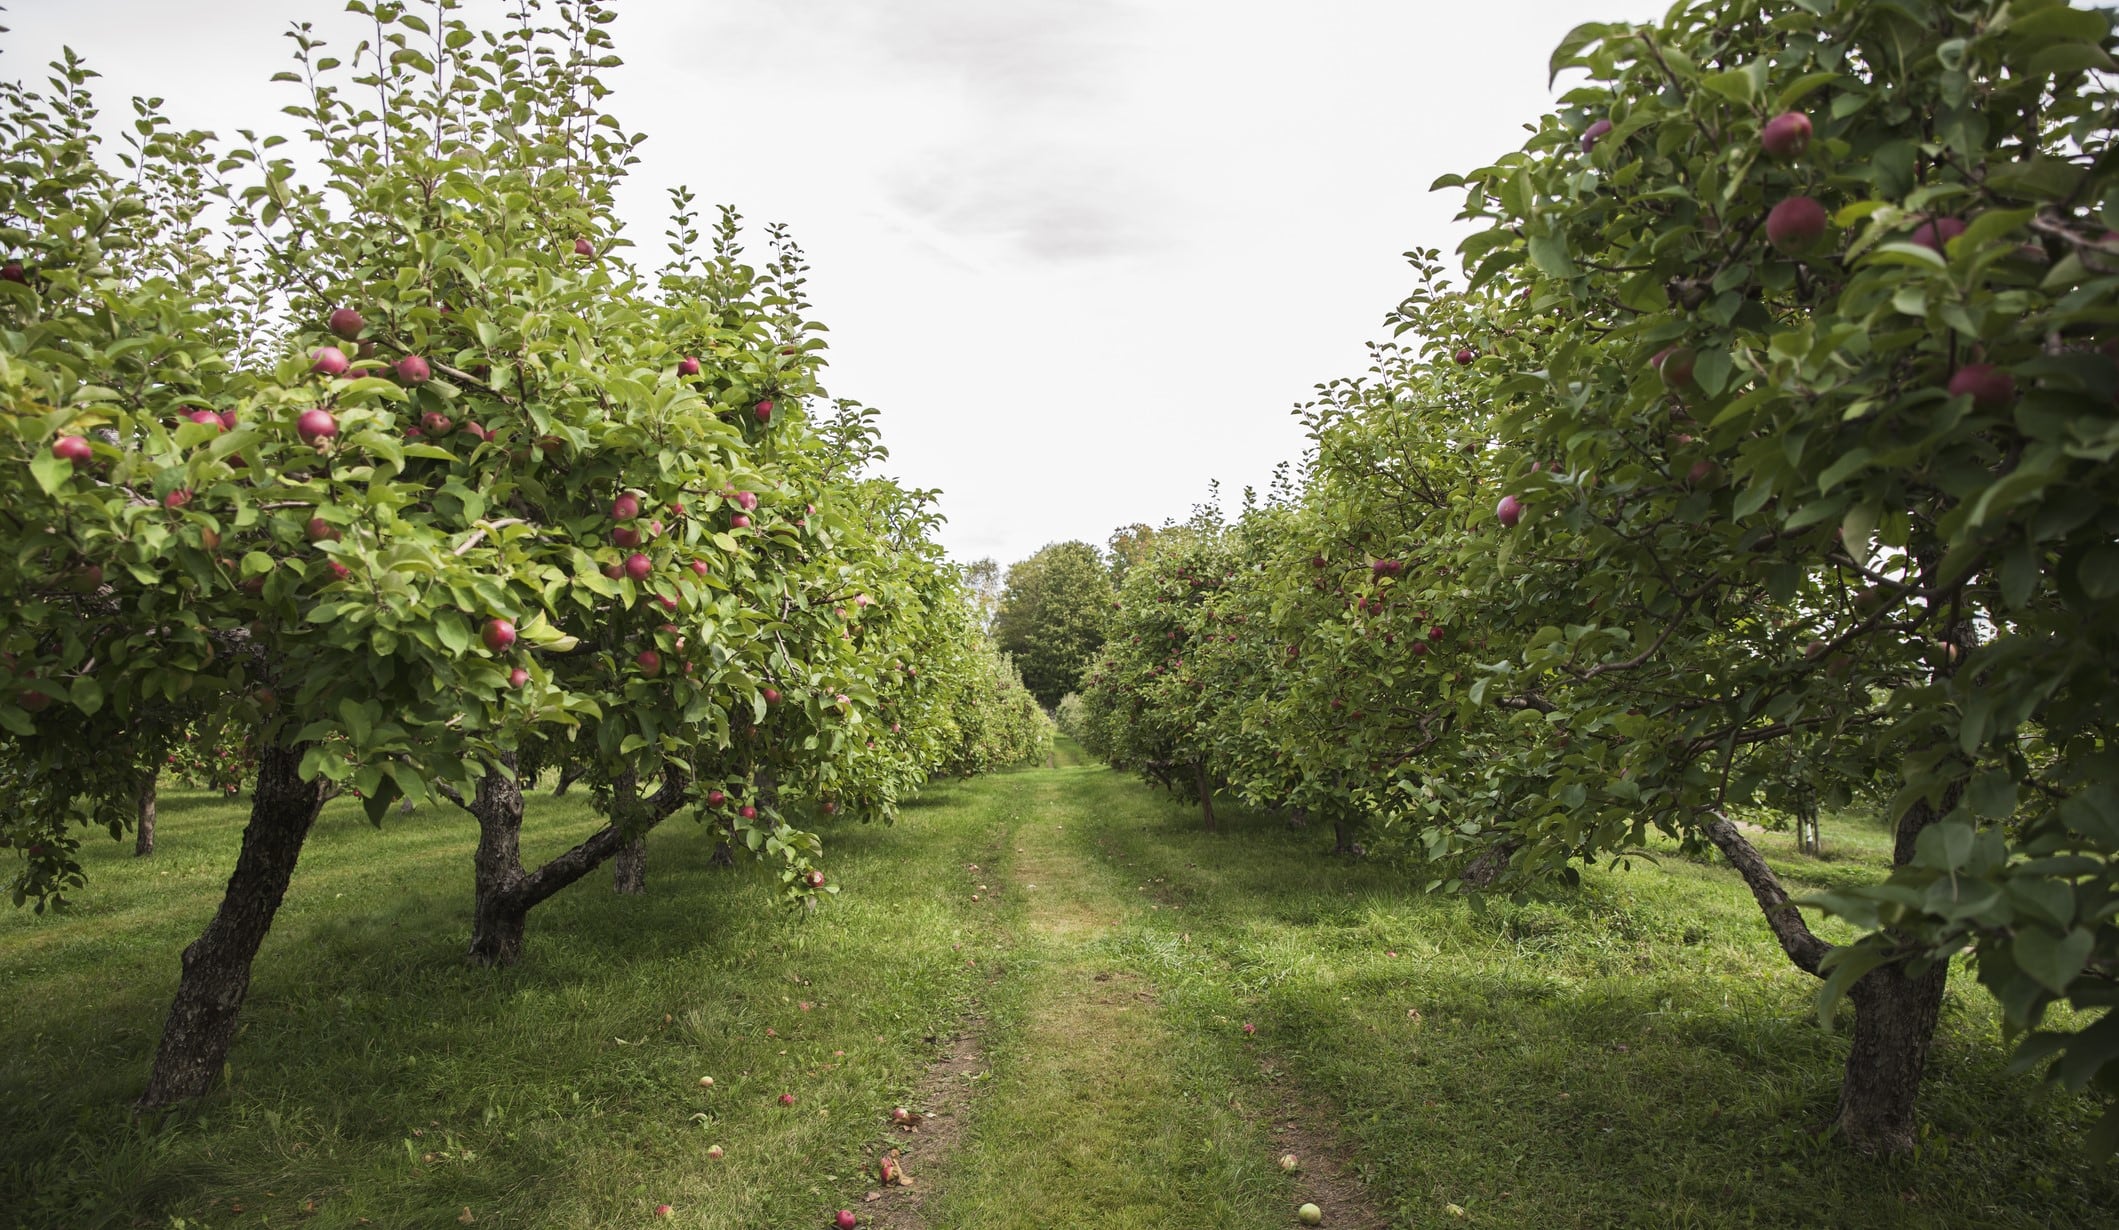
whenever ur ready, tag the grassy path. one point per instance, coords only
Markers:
(1103, 1111)
(1056, 964)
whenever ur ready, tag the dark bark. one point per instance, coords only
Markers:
(629, 867)
(143, 838)
(504, 894)
(1894, 1026)
(568, 775)
(1786, 922)
(1206, 794)
(1894, 1029)
(1298, 817)
(216, 977)
(498, 916)
(1342, 837)
(1894, 1015)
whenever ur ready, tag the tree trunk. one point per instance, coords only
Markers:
(629, 868)
(505, 894)
(1342, 837)
(568, 775)
(1206, 794)
(498, 916)
(1894, 1028)
(143, 840)
(216, 977)
(1894, 1025)
(1298, 817)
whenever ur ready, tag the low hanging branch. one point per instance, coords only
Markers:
(1795, 937)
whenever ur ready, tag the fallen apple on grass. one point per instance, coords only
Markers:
(1310, 1215)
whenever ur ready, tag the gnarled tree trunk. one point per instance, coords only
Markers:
(1894, 1014)
(504, 894)
(216, 977)
(1206, 794)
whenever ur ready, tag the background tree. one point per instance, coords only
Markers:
(1051, 617)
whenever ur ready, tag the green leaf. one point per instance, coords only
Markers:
(1548, 252)
(49, 471)
(1802, 87)
(454, 633)
(87, 694)
(2054, 960)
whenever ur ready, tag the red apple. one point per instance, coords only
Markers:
(625, 507)
(816, 878)
(772, 696)
(1387, 567)
(739, 522)
(626, 536)
(688, 366)
(614, 571)
(328, 361)
(716, 1152)
(1465, 356)
(346, 323)
(1786, 135)
(714, 798)
(12, 272)
(1795, 225)
(498, 634)
(1675, 364)
(72, 448)
(787, 1099)
(845, 1220)
(1593, 134)
(764, 411)
(33, 701)
(638, 566)
(436, 424)
(315, 425)
(583, 247)
(663, 1210)
(518, 677)
(320, 530)
(699, 567)
(747, 812)
(1435, 634)
(338, 571)
(206, 416)
(177, 498)
(1509, 511)
(649, 662)
(413, 370)
(1989, 387)
(1701, 473)
(1936, 232)
(747, 501)
(228, 420)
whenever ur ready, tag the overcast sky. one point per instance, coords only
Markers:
(1086, 255)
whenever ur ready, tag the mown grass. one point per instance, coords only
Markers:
(1635, 1053)
(379, 1081)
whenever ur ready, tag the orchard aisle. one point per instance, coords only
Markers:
(1099, 1110)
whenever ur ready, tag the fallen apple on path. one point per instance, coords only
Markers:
(1310, 1215)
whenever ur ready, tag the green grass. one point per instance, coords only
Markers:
(381, 1079)
(1632, 1054)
